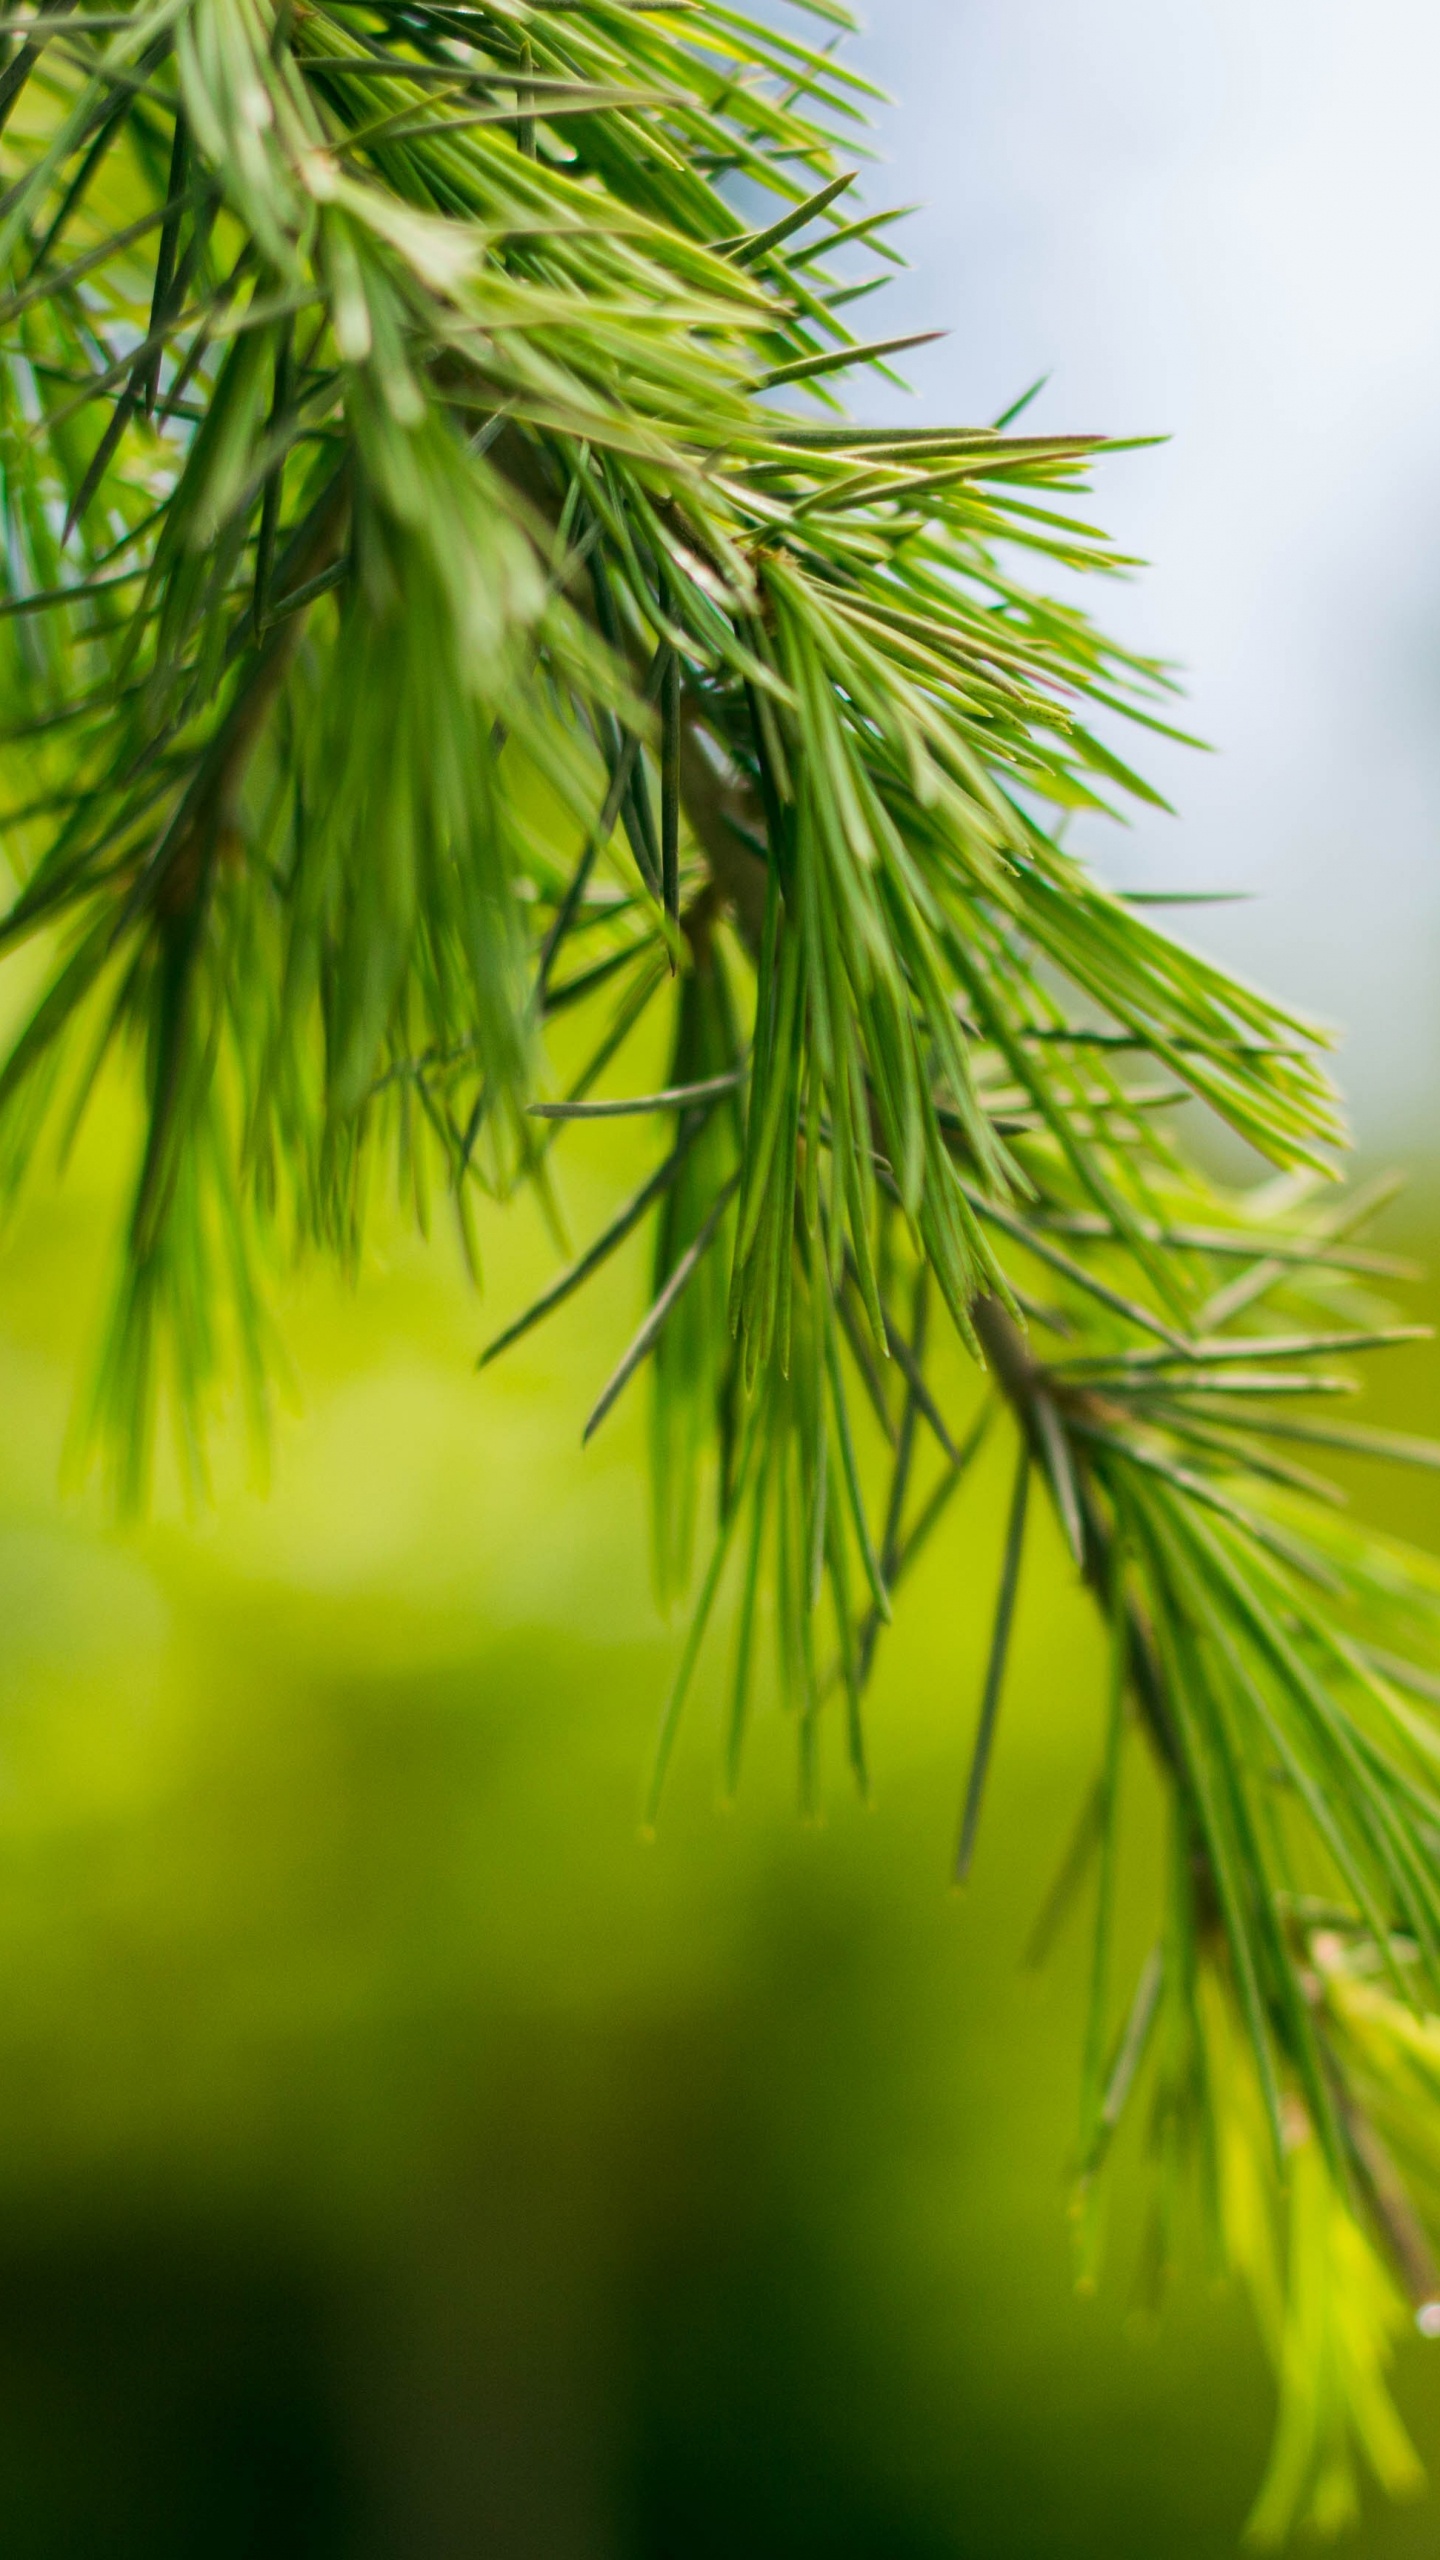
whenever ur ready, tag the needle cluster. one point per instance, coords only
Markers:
(441, 594)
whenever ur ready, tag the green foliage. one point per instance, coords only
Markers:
(440, 594)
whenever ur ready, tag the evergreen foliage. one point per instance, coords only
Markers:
(441, 592)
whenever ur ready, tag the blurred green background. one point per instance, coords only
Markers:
(397, 2155)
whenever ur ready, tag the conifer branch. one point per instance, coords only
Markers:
(443, 598)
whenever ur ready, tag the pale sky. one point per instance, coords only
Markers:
(1222, 221)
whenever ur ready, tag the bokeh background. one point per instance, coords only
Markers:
(397, 2157)
(1220, 224)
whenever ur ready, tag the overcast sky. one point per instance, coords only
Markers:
(1223, 222)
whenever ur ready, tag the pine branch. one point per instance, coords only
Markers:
(442, 592)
